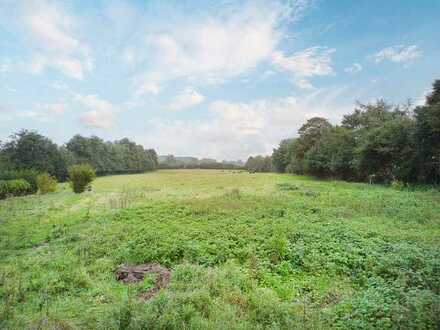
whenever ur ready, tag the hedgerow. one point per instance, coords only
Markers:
(11, 188)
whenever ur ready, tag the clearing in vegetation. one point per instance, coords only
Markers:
(221, 250)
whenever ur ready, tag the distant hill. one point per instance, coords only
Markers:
(171, 161)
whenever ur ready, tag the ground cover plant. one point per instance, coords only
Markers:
(244, 251)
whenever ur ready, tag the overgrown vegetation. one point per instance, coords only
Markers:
(80, 177)
(378, 142)
(246, 251)
(46, 183)
(30, 176)
(11, 188)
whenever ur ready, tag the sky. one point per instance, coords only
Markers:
(221, 79)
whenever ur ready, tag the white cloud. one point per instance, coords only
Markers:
(55, 108)
(5, 65)
(421, 100)
(45, 112)
(52, 37)
(101, 114)
(129, 56)
(398, 54)
(50, 26)
(74, 68)
(94, 102)
(314, 61)
(148, 87)
(187, 98)
(241, 117)
(34, 115)
(236, 130)
(308, 63)
(11, 89)
(303, 83)
(59, 85)
(216, 48)
(354, 68)
(37, 64)
(97, 119)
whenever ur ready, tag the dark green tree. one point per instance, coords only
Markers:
(153, 156)
(121, 156)
(332, 155)
(259, 164)
(282, 155)
(434, 97)
(312, 130)
(309, 134)
(366, 116)
(427, 137)
(387, 151)
(378, 140)
(30, 150)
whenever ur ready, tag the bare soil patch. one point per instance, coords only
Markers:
(132, 274)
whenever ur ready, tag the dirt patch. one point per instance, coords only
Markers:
(132, 274)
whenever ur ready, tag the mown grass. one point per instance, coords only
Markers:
(247, 251)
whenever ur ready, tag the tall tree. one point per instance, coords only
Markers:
(282, 155)
(366, 116)
(380, 140)
(121, 156)
(387, 151)
(333, 154)
(309, 134)
(428, 137)
(313, 129)
(434, 97)
(259, 164)
(30, 150)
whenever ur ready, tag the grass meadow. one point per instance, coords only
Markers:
(245, 251)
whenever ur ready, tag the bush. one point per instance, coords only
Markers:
(30, 176)
(80, 177)
(398, 185)
(46, 183)
(12, 188)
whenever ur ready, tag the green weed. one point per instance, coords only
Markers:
(281, 252)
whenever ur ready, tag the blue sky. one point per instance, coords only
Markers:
(221, 79)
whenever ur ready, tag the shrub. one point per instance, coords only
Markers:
(80, 177)
(12, 188)
(46, 183)
(29, 175)
(398, 185)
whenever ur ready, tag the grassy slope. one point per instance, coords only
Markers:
(247, 251)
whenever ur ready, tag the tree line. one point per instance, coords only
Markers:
(173, 162)
(259, 164)
(377, 142)
(29, 150)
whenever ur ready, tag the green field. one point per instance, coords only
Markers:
(246, 251)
